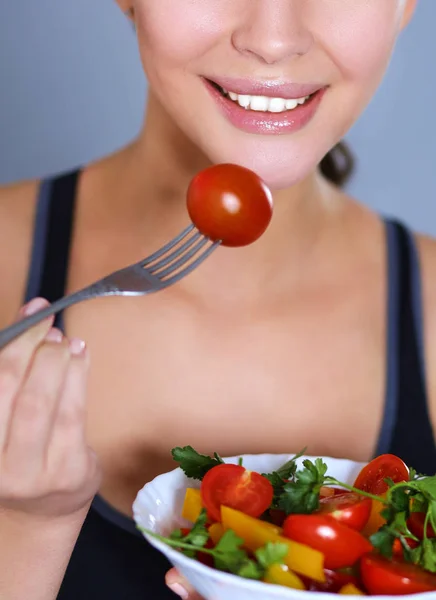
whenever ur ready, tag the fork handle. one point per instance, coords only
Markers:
(13, 331)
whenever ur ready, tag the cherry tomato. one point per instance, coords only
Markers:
(328, 492)
(341, 545)
(372, 477)
(352, 510)
(277, 516)
(334, 581)
(235, 487)
(229, 203)
(416, 524)
(398, 548)
(394, 577)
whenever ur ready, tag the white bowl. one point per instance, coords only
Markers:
(158, 507)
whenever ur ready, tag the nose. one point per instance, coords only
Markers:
(272, 30)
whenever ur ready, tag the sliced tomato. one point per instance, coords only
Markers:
(398, 548)
(372, 477)
(416, 523)
(352, 509)
(327, 492)
(341, 545)
(235, 487)
(394, 577)
(334, 581)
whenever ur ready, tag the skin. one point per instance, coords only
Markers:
(289, 307)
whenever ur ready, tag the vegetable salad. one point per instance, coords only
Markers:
(303, 529)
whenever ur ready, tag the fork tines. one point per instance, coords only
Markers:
(180, 256)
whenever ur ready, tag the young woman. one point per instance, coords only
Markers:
(313, 336)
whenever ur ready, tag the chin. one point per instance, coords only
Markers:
(279, 166)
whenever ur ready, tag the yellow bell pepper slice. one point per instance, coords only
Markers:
(216, 532)
(281, 575)
(300, 558)
(351, 590)
(192, 505)
(375, 520)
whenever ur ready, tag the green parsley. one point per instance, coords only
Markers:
(193, 464)
(280, 478)
(228, 554)
(302, 496)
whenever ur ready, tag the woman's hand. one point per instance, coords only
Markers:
(46, 467)
(180, 586)
(48, 474)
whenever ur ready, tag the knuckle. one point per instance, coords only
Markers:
(70, 418)
(54, 352)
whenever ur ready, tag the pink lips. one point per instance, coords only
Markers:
(252, 121)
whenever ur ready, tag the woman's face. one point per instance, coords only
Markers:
(269, 55)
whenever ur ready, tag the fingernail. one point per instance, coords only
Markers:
(179, 590)
(34, 306)
(54, 335)
(77, 347)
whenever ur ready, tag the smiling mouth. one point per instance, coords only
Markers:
(262, 103)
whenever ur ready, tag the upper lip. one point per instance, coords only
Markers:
(270, 88)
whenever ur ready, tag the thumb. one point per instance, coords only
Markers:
(180, 586)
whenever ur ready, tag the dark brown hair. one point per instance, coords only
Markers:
(338, 165)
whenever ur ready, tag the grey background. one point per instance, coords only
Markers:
(72, 89)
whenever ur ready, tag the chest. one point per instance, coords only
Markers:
(163, 374)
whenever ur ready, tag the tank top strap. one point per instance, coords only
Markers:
(407, 430)
(52, 238)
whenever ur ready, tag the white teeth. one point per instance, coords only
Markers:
(277, 105)
(259, 103)
(243, 101)
(264, 103)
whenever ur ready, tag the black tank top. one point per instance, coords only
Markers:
(111, 560)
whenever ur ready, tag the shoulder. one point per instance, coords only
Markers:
(17, 204)
(17, 209)
(427, 255)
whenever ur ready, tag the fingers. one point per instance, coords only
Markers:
(15, 360)
(180, 586)
(36, 404)
(68, 437)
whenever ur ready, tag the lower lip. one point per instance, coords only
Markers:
(267, 123)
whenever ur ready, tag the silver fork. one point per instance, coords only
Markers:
(161, 269)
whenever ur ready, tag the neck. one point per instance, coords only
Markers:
(157, 171)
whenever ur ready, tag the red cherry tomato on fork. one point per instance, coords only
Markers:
(349, 509)
(381, 576)
(235, 487)
(372, 477)
(229, 203)
(341, 545)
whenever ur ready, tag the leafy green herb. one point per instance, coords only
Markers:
(228, 554)
(302, 494)
(298, 491)
(280, 478)
(193, 464)
(198, 536)
(425, 555)
(272, 554)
